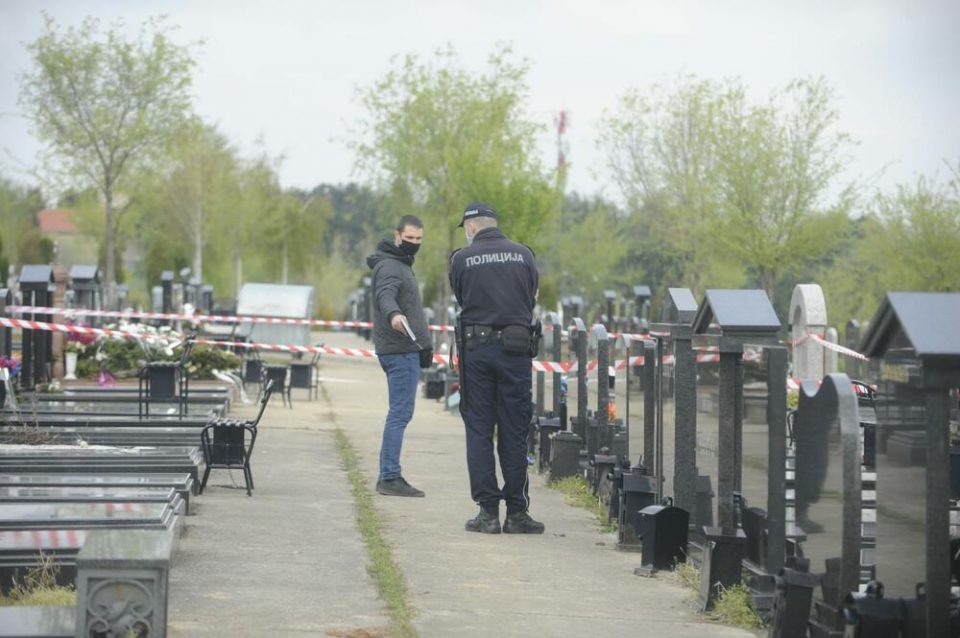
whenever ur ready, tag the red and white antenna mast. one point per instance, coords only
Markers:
(562, 121)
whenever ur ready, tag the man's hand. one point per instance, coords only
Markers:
(397, 323)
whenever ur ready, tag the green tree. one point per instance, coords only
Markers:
(299, 230)
(661, 148)
(587, 251)
(18, 215)
(909, 239)
(252, 245)
(779, 167)
(719, 189)
(35, 248)
(104, 106)
(438, 136)
(196, 187)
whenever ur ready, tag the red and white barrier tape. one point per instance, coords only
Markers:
(198, 318)
(705, 355)
(273, 347)
(83, 330)
(836, 347)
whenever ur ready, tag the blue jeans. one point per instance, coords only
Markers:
(403, 374)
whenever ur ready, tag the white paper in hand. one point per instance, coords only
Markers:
(406, 326)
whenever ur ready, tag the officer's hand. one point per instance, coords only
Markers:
(397, 323)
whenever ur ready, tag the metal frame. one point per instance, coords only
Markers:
(181, 381)
(234, 440)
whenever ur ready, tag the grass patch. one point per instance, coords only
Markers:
(688, 574)
(578, 493)
(381, 567)
(39, 588)
(733, 607)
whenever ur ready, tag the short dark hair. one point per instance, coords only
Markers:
(409, 220)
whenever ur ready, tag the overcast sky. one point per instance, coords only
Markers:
(286, 71)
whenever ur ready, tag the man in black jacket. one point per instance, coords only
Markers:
(496, 283)
(402, 343)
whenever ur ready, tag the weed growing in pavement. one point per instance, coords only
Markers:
(578, 493)
(733, 607)
(382, 567)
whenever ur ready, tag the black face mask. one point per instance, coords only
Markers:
(409, 248)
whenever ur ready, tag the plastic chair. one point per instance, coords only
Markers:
(228, 443)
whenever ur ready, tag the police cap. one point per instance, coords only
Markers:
(477, 209)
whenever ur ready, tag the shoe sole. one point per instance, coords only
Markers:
(483, 531)
(403, 495)
(522, 531)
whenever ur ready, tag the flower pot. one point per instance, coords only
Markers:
(71, 359)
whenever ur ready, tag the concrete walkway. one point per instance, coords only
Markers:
(289, 561)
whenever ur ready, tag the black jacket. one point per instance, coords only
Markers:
(395, 291)
(495, 280)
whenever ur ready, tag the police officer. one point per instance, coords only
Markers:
(495, 281)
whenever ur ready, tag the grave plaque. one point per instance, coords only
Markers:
(827, 490)
(742, 317)
(917, 337)
(679, 396)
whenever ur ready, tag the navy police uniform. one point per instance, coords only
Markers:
(495, 281)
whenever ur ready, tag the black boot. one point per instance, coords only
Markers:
(486, 522)
(521, 523)
(397, 487)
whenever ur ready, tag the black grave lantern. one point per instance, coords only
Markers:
(664, 529)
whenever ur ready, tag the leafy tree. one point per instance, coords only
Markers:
(299, 229)
(437, 137)
(720, 189)
(661, 148)
(104, 106)
(908, 240)
(587, 252)
(196, 187)
(359, 216)
(779, 164)
(35, 248)
(18, 215)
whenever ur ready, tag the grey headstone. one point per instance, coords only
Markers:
(808, 315)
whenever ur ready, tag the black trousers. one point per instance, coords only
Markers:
(497, 393)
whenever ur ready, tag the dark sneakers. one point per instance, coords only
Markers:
(397, 487)
(521, 523)
(486, 522)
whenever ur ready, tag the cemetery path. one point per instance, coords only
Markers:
(290, 560)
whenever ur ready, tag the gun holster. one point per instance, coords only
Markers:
(459, 343)
(536, 334)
